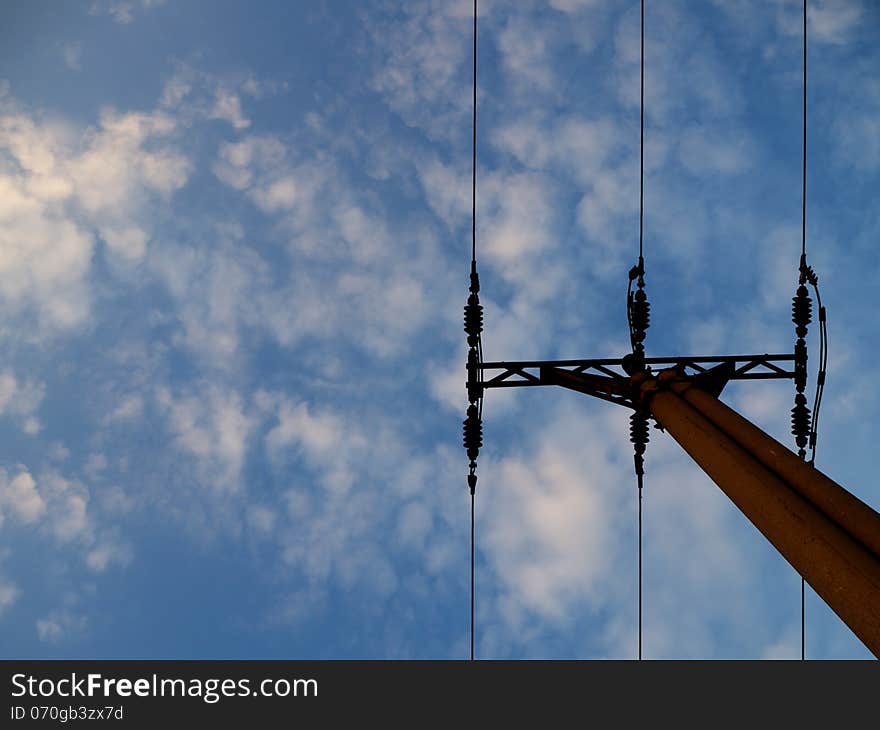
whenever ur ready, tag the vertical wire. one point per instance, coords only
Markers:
(472, 576)
(474, 153)
(642, 135)
(803, 633)
(640, 566)
(641, 229)
(803, 254)
(804, 190)
(473, 270)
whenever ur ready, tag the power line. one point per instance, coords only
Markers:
(804, 426)
(640, 477)
(472, 576)
(638, 310)
(804, 157)
(804, 254)
(474, 157)
(473, 326)
(642, 136)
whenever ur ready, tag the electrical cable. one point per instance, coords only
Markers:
(640, 477)
(640, 471)
(473, 326)
(472, 576)
(804, 254)
(805, 427)
(642, 136)
(638, 311)
(474, 156)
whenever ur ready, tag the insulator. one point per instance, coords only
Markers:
(474, 386)
(800, 364)
(472, 432)
(641, 314)
(475, 281)
(807, 274)
(800, 420)
(638, 432)
(801, 311)
(473, 319)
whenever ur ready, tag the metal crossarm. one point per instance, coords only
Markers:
(545, 372)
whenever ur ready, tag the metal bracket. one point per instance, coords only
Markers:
(606, 378)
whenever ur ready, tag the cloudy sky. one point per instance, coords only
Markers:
(234, 246)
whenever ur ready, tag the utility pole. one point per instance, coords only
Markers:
(827, 534)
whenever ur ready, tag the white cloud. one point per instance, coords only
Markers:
(20, 498)
(227, 106)
(262, 519)
(707, 151)
(526, 54)
(238, 160)
(21, 400)
(72, 54)
(116, 501)
(213, 427)
(59, 625)
(447, 190)
(9, 594)
(57, 505)
(130, 243)
(348, 283)
(324, 439)
(572, 6)
(264, 167)
(828, 21)
(130, 407)
(58, 186)
(684, 77)
(44, 261)
(832, 21)
(420, 72)
(278, 195)
(123, 11)
(95, 464)
(414, 525)
(117, 169)
(210, 290)
(548, 536)
(109, 549)
(518, 221)
(67, 511)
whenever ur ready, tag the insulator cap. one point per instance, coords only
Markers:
(801, 311)
(472, 432)
(475, 279)
(473, 319)
(638, 432)
(800, 420)
(641, 314)
(807, 274)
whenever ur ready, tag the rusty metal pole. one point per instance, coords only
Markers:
(829, 540)
(844, 508)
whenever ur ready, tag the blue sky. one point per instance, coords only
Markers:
(234, 245)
